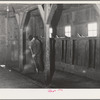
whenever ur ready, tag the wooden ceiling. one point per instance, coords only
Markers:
(22, 7)
(26, 7)
(17, 7)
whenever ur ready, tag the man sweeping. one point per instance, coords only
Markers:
(33, 49)
(34, 61)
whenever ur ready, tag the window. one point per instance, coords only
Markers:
(51, 31)
(68, 31)
(92, 29)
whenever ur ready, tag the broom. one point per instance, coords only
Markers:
(34, 60)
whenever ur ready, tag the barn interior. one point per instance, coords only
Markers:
(70, 39)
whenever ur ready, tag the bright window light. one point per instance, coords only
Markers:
(92, 29)
(50, 31)
(68, 31)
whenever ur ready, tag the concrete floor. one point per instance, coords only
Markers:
(13, 79)
(68, 80)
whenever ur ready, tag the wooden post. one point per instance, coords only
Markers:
(21, 50)
(6, 25)
(51, 13)
(17, 18)
(22, 17)
(97, 8)
(47, 45)
(41, 12)
(46, 17)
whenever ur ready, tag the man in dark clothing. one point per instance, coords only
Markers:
(34, 55)
(35, 48)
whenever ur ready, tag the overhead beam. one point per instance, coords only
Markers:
(28, 8)
(49, 8)
(51, 11)
(22, 18)
(16, 15)
(42, 13)
(97, 8)
(18, 19)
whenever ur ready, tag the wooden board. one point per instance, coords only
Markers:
(97, 56)
(81, 52)
(58, 49)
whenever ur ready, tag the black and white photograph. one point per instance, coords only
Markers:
(49, 45)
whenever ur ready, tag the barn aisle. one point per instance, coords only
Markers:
(69, 80)
(12, 79)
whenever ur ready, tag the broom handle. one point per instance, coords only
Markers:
(31, 51)
(32, 57)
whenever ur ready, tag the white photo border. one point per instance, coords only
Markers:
(43, 93)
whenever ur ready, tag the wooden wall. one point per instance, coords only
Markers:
(36, 27)
(13, 41)
(78, 19)
(83, 52)
(2, 40)
(9, 41)
(79, 55)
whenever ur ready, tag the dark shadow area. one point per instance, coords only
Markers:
(52, 59)
(54, 23)
(24, 36)
(56, 18)
(39, 77)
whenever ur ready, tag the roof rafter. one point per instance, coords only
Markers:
(97, 7)
(51, 13)
(28, 8)
(42, 13)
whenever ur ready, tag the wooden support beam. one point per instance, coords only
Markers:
(44, 14)
(47, 45)
(47, 14)
(22, 19)
(41, 12)
(49, 9)
(21, 50)
(17, 18)
(16, 15)
(97, 8)
(28, 8)
(22, 16)
(51, 13)
(6, 30)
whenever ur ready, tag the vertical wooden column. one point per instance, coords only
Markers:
(98, 27)
(6, 30)
(72, 41)
(21, 50)
(22, 16)
(97, 8)
(47, 14)
(47, 45)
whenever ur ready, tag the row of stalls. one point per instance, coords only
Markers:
(78, 53)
